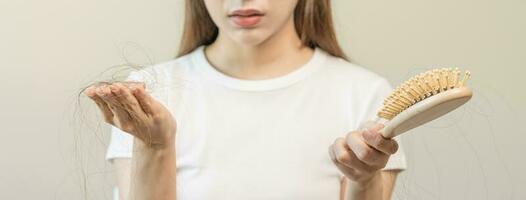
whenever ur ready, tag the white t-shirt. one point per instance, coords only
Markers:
(260, 139)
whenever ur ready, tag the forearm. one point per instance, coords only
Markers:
(376, 188)
(153, 174)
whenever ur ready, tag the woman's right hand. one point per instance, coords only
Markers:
(130, 108)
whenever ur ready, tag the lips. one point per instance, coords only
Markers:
(246, 18)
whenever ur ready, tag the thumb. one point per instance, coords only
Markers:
(371, 126)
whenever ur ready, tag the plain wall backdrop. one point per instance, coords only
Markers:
(51, 49)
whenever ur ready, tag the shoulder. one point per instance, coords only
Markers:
(167, 79)
(357, 77)
(165, 69)
(171, 71)
(364, 90)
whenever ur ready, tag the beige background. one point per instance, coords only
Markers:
(50, 49)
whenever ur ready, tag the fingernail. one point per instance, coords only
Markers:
(135, 90)
(90, 93)
(99, 91)
(113, 88)
(376, 126)
(106, 91)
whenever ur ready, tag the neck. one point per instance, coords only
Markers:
(280, 54)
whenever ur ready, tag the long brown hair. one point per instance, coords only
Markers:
(312, 19)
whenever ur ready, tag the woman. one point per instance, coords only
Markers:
(258, 93)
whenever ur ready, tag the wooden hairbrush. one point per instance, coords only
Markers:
(423, 98)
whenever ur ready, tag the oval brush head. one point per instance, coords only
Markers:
(424, 98)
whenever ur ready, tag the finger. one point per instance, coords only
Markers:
(374, 139)
(346, 157)
(344, 169)
(121, 114)
(375, 127)
(144, 99)
(126, 99)
(364, 152)
(367, 124)
(103, 107)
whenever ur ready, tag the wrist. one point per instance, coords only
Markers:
(365, 183)
(148, 157)
(141, 146)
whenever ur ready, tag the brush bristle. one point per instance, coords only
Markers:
(421, 87)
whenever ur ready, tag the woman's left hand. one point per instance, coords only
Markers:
(362, 153)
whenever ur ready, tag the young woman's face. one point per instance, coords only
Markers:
(250, 22)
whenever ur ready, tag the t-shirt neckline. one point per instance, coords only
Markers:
(204, 66)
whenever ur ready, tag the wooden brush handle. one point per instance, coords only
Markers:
(426, 111)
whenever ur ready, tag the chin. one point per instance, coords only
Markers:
(249, 37)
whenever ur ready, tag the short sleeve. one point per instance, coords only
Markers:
(121, 143)
(382, 90)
